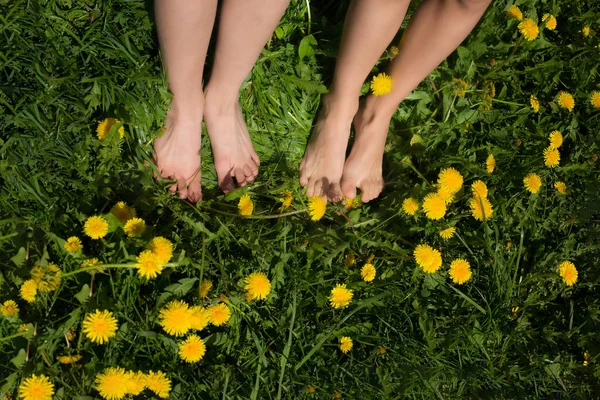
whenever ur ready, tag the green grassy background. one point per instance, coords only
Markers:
(66, 65)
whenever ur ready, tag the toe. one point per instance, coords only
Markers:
(249, 173)
(255, 158)
(334, 193)
(370, 191)
(348, 188)
(182, 187)
(240, 177)
(195, 189)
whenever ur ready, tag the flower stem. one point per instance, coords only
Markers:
(271, 216)
(98, 267)
(13, 336)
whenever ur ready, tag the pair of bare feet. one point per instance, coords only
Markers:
(177, 151)
(324, 171)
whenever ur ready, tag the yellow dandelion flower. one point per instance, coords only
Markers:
(192, 349)
(460, 87)
(352, 203)
(450, 179)
(205, 287)
(340, 296)
(477, 211)
(159, 383)
(135, 227)
(70, 334)
(394, 50)
(28, 290)
(245, 206)
(36, 388)
(73, 244)
(69, 359)
(90, 262)
(96, 227)
(586, 31)
(100, 326)
(568, 272)
(24, 328)
(428, 258)
(595, 99)
(550, 21)
(176, 318)
(316, 207)
(123, 212)
(286, 199)
(9, 308)
(490, 164)
(257, 286)
(112, 383)
(311, 389)
(532, 182)
(565, 100)
(50, 277)
(448, 233)
(556, 139)
(561, 187)
(337, 395)
(535, 103)
(136, 382)
(37, 273)
(551, 157)
(514, 12)
(479, 188)
(460, 271)
(445, 194)
(350, 259)
(162, 249)
(381, 84)
(223, 298)
(381, 350)
(529, 29)
(200, 318)
(104, 128)
(368, 272)
(147, 265)
(219, 314)
(410, 206)
(345, 344)
(434, 206)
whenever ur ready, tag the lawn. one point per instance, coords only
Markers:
(523, 325)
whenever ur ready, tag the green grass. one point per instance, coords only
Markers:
(66, 65)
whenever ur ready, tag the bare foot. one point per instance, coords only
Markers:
(177, 151)
(323, 163)
(363, 168)
(231, 145)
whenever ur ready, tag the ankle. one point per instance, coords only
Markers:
(334, 105)
(375, 110)
(220, 102)
(187, 109)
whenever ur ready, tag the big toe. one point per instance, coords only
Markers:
(195, 189)
(348, 188)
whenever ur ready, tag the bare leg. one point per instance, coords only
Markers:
(436, 29)
(369, 27)
(184, 29)
(244, 28)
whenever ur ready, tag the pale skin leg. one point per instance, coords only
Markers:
(436, 29)
(244, 28)
(370, 25)
(184, 29)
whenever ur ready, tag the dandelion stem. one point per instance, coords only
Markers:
(99, 267)
(271, 216)
(420, 174)
(13, 336)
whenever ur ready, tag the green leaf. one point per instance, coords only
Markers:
(306, 46)
(84, 294)
(19, 258)
(19, 359)
(181, 288)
